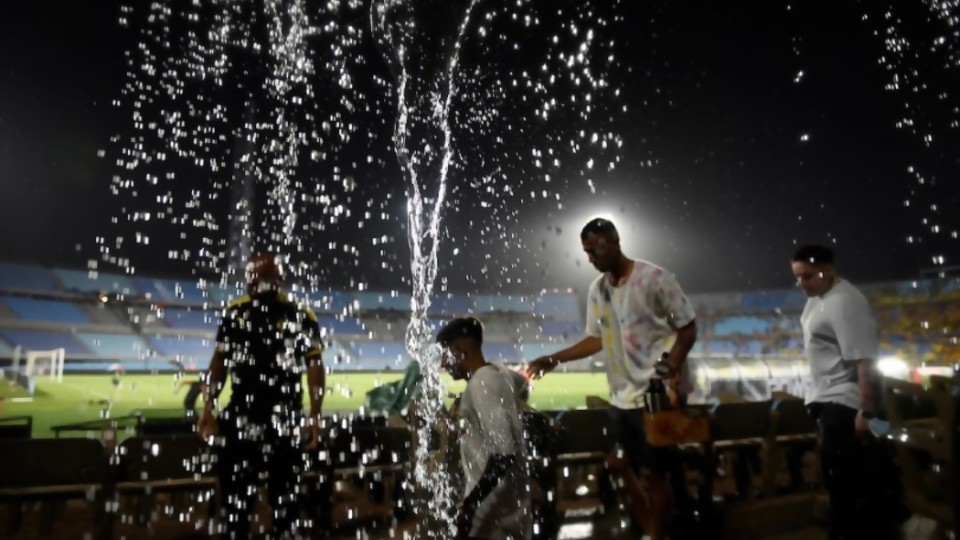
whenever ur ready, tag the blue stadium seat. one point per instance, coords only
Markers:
(915, 289)
(752, 347)
(455, 305)
(32, 309)
(340, 357)
(330, 301)
(501, 352)
(393, 301)
(6, 351)
(337, 326)
(87, 281)
(741, 325)
(27, 277)
(381, 354)
(558, 306)
(721, 347)
(529, 351)
(170, 290)
(561, 329)
(115, 346)
(507, 304)
(42, 340)
(188, 347)
(191, 320)
(771, 300)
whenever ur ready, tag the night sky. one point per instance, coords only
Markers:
(728, 161)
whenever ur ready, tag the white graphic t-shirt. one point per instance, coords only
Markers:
(636, 322)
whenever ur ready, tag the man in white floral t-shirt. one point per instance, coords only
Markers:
(636, 311)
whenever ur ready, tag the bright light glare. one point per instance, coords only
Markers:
(891, 366)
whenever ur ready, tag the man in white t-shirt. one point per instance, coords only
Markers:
(496, 503)
(636, 312)
(840, 338)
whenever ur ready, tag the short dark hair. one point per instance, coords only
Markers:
(814, 254)
(468, 327)
(598, 226)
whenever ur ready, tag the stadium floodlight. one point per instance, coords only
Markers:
(891, 366)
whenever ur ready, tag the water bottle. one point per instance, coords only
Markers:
(656, 398)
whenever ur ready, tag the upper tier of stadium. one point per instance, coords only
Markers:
(148, 324)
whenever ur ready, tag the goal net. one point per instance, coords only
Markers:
(26, 368)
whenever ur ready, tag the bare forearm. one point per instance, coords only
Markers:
(686, 337)
(316, 383)
(216, 378)
(867, 378)
(585, 347)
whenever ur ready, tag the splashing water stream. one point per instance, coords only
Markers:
(426, 188)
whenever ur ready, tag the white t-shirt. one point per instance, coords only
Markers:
(636, 323)
(490, 425)
(838, 330)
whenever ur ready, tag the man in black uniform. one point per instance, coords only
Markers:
(266, 342)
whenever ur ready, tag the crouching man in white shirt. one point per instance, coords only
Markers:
(496, 503)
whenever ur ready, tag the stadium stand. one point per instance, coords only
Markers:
(55, 311)
(451, 306)
(96, 282)
(115, 346)
(44, 340)
(22, 277)
(165, 319)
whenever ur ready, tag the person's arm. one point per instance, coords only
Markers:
(856, 332)
(498, 465)
(686, 338)
(316, 375)
(316, 383)
(216, 378)
(585, 347)
(680, 316)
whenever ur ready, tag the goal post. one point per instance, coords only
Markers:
(38, 363)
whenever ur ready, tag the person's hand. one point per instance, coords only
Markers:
(539, 367)
(314, 441)
(861, 426)
(207, 425)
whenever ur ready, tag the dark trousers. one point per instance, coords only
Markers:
(860, 476)
(242, 466)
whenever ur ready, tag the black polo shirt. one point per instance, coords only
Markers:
(266, 341)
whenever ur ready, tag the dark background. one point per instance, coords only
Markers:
(714, 180)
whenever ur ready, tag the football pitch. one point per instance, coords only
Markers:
(81, 398)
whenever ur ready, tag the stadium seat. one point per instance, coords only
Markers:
(49, 471)
(504, 304)
(378, 355)
(6, 351)
(115, 346)
(43, 340)
(389, 301)
(338, 326)
(149, 465)
(567, 330)
(451, 306)
(87, 281)
(191, 320)
(745, 325)
(22, 277)
(330, 301)
(501, 352)
(55, 311)
(182, 346)
(557, 306)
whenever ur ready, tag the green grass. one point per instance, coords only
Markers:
(79, 397)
